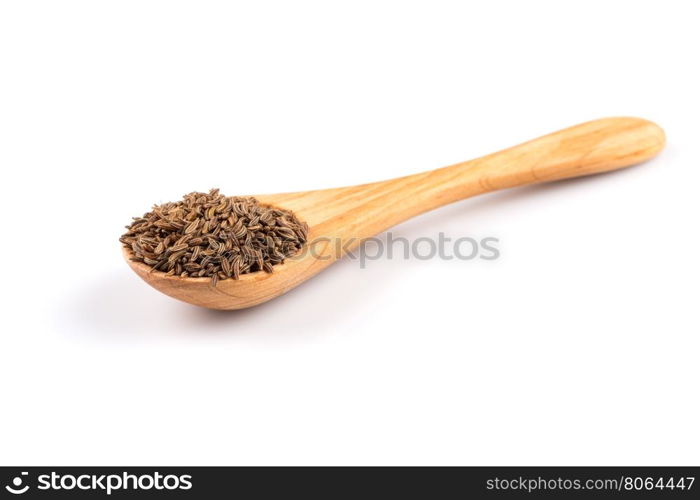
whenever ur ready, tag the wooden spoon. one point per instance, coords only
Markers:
(351, 214)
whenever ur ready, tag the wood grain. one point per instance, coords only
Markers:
(351, 214)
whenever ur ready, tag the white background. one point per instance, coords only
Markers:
(578, 346)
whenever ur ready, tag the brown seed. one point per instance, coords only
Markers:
(178, 248)
(195, 253)
(226, 267)
(192, 227)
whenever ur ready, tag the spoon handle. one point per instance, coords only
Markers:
(589, 148)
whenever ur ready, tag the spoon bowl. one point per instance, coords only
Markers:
(340, 219)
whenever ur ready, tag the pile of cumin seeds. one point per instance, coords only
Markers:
(216, 236)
